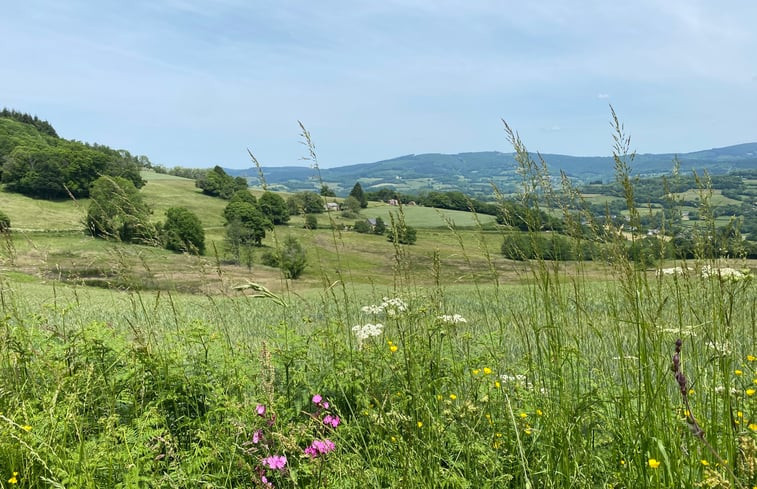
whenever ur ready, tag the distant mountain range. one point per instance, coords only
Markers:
(474, 173)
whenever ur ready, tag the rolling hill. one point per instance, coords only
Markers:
(473, 173)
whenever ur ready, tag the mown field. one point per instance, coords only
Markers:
(433, 365)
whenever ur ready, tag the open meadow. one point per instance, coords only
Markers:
(438, 364)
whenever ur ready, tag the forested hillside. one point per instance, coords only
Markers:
(38, 163)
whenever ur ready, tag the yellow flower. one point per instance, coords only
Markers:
(750, 392)
(753, 426)
(438, 397)
(420, 424)
(13, 479)
(452, 396)
(487, 371)
(622, 462)
(751, 358)
(523, 415)
(26, 427)
(498, 435)
(738, 372)
(497, 385)
(739, 414)
(538, 412)
(394, 440)
(654, 463)
(691, 392)
(476, 371)
(392, 348)
(528, 431)
(705, 463)
(389, 342)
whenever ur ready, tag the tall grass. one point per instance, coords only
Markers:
(564, 381)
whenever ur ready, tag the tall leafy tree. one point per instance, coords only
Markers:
(117, 211)
(357, 192)
(274, 207)
(183, 231)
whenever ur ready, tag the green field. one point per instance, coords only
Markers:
(438, 364)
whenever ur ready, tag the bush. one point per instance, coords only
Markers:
(291, 259)
(117, 211)
(183, 231)
(5, 222)
(404, 234)
(311, 222)
(362, 227)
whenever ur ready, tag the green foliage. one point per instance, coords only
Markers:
(217, 183)
(351, 204)
(402, 234)
(274, 207)
(291, 258)
(305, 203)
(311, 222)
(117, 211)
(243, 196)
(380, 227)
(326, 191)
(521, 246)
(39, 164)
(357, 193)
(362, 226)
(183, 231)
(246, 226)
(5, 222)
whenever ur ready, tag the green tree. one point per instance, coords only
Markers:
(253, 223)
(243, 196)
(311, 222)
(292, 258)
(362, 227)
(274, 207)
(402, 234)
(326, 191)
(305, 203)
(351, 204)
(117, 211)
(357, 192)
(380, 227)
(183, 231)
(217, 183)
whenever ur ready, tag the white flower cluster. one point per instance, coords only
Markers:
(365, 331)
(720, 390)
(392, 307)
(452, 319)
(721, 348)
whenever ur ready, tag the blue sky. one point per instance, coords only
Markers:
(195, 83)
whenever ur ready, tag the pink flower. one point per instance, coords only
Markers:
(325, 404)
(260, 409)
(319, 447)
(332, 421)
(265, 482)
(317, 399)
(275, 462)
(257, 436)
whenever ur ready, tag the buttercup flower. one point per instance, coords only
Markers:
(654, 463)
(13, 479)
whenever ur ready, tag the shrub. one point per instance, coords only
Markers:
(291, 258)
(5, 222)
(311, 222)
(117, 211)
(183, 231)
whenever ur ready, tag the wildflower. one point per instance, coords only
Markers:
(332, 421)
(751, 358)
(438, 397)
(538, 412)
(319, 447)
(722, 348)
(265, 482)
(528, 430)
(452, 319)
(753, 426)
(257, 436)
(738, 372)
(317, 399)
(275, 462)
(497, 385)
(420, 424)
(523, 415)
(750, 392)
(622, 462)
(654, 463)
(487, 371)
(13, 479)
(705, 462)
(739, 414)
(476, 371)
(26, 427)
(452, 396)
(366, 331)
(394, 439)
(372, 309)
(260, 409)
(393, 348)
